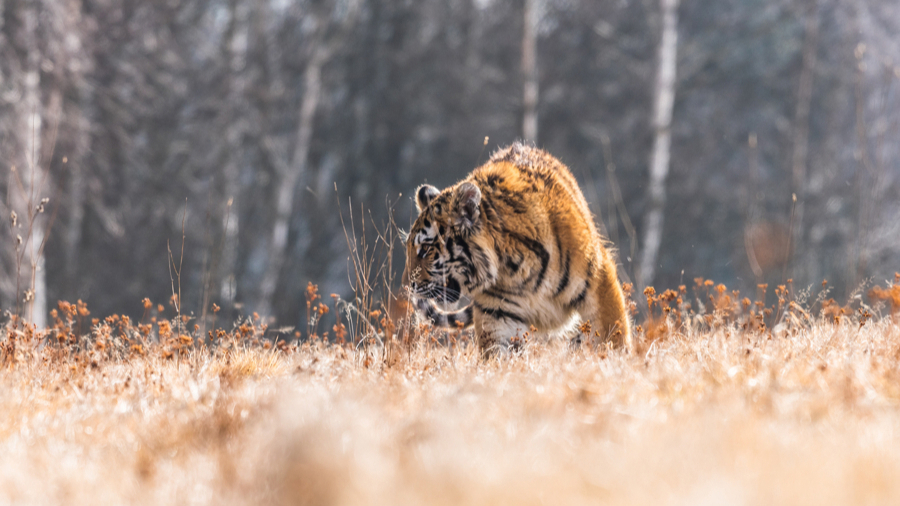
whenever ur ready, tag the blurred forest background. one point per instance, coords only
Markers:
(252, 121)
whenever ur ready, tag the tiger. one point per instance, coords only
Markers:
(517, 238)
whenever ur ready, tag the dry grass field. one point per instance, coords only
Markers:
(725, 402)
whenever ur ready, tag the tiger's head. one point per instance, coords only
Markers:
(445, 253)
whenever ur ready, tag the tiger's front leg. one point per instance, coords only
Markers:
(494, 334)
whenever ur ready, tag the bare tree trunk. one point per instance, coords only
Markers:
(799, 158)
(75, 222)
(529, 71)
(872, 88)
(287, 177)
(230, 229)
(29, 181)
(236, 56)
(81, 112)
(663, 104)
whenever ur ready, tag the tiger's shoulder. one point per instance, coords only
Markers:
(526, 164)
(525, 180)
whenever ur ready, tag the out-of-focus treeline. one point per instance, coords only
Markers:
(245, 123)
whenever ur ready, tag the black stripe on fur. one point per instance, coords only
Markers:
(538, 249)
(499, 313)
(564, 281)
(574, 303)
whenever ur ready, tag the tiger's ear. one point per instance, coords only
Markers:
(468, 200)
(424, 195)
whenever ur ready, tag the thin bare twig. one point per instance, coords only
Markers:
(177, 270)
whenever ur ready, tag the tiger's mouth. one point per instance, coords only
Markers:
(447, 293)
(450, 292)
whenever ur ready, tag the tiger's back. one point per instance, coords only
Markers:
(518, 238)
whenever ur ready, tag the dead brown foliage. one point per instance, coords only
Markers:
(724, 400)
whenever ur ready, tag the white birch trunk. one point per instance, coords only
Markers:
(77, 188)
(287, 181)
(236, 52)
(529, 71)
(663, 104)
(27, 193)
(801, 125)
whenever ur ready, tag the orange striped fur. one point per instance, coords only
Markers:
(517, 238)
